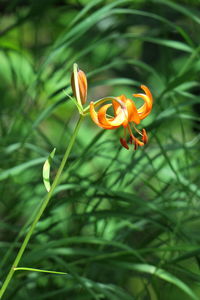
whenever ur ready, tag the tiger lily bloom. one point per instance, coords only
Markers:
(126, 115)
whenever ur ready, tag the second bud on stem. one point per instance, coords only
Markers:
(79, 85)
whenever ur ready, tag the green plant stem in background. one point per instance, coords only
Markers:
(41, 210)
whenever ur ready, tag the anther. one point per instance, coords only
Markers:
(144, 136)
(124, 143)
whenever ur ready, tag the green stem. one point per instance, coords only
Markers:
(41, 209)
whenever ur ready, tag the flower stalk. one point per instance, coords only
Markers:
(41, 209)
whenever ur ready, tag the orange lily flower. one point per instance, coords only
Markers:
(125, 114)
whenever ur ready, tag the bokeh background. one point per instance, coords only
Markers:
(123, 224)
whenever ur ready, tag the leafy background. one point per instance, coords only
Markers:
(122, 224)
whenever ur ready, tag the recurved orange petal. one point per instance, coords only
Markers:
(145, 109)
(114, 122)
(95, 119)
(133, 115)
(116, 104)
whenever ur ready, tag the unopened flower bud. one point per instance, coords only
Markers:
(82, 86)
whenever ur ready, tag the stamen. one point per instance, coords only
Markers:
(125, 132)
(139, 142)
(138, 131)
(132, 137)
(135, 145)
(144, 136)
(130, 140)
(124, 143)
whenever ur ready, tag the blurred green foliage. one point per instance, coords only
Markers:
(122, 224)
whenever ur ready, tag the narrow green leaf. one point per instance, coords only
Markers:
(181, 9)
(150, 269)
(14, 171)
(84, 11)
(39, 270)
(46, 170)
